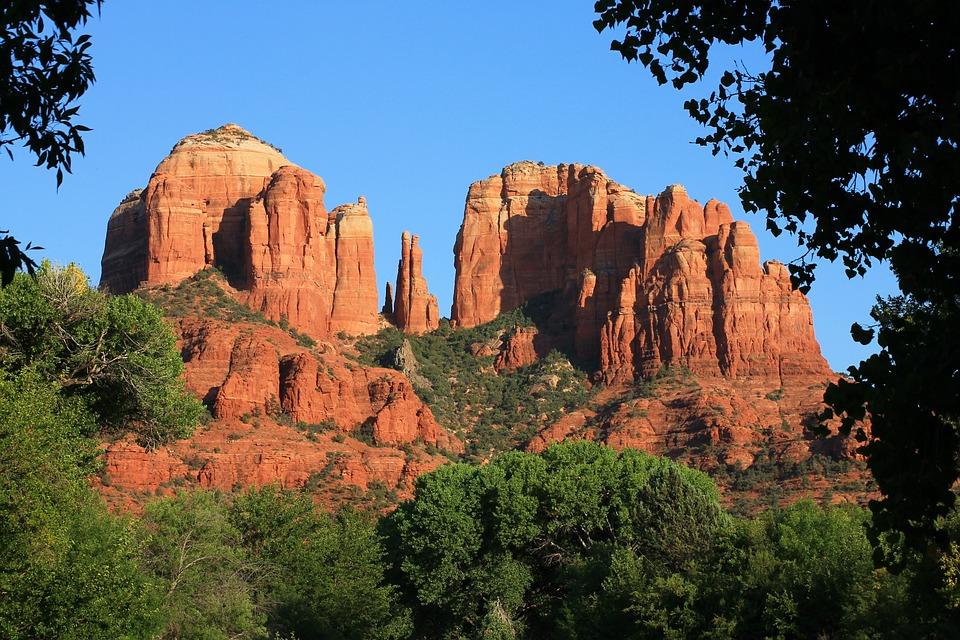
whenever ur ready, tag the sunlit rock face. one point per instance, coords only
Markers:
(415, 310)
(644, 281)
(283, 414)
(226, 199)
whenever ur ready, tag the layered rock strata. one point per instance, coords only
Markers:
(415, 310)
(283, 414)
(646, 281)
(243, 370)
(225, 199)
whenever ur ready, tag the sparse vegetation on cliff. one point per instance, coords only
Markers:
(228, 134)
(203, 295)
(494, 411)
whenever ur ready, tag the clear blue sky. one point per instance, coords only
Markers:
(406, 103)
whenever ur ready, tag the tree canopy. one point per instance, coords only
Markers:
(525, 542)
(68, 568)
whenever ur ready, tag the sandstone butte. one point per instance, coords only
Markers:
(415, 310)
(226, 199)
(644, 281)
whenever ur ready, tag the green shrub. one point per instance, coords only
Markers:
(115, 353)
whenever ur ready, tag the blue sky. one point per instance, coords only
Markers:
(405, 103)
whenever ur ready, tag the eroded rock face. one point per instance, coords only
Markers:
(231, 454)
(243, 370)
(126, 245)
(645, 281)
(415, 310)
(284, 414)
(225, 199)
(521, 349)
(715, 423)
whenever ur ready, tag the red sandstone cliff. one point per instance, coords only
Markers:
(415, 310)
(645, 281)
(224, 198)
(284, 414)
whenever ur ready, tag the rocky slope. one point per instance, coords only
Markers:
(284, 409)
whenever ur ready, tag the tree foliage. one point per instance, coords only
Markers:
(44, 68)
(524, 543)
(911, 389)
(803, 572)
(267, 564)
(112, 352)
(326, 572)
(194, 552)
(588, 543)
(849, 141)
(68, 569)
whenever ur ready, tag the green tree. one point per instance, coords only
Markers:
(112, 352)
(324, 575)
(194, 552)
(522, 545)
(850, 140)
(800, 572)
(68, 569)
(44, 68)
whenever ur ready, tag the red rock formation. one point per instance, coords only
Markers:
(382, 400)
(645, 281)
(521, 349)
(243, 370)
(414, 310)
(230, 454)
(126, 244)
(252, 381)
(709, 423)
(224, 198)
(260, 384)
(387, 308)
(355, 295)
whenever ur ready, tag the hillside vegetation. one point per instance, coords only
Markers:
(493, 411)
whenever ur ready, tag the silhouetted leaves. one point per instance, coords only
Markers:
(44, 69)
(849, 139)
(849, 142)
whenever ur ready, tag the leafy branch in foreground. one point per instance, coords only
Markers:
(44, 69)
(849, 140)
